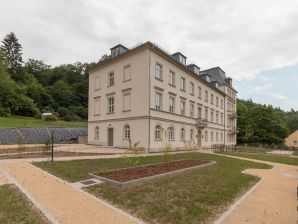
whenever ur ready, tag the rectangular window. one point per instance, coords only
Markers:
(206, 95)
(182, 107)
(200, 92)
(199, 112)
(206, 136)
(216, 119)
(192, 110)
(111, 80)
(126, 102)
(158, 99)
(191, 134)
(158, 73)
(221, 119)
(206, 114)
(96, 106)
(182, 84)
(216, 101)
(97, 83)
(127, 73)
(212, 99)
(221, 137)
(221, 104)
(172, 104)
(192, 89)
(172, 78)
(212, 116)
(111, 106)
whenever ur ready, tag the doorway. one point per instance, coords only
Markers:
(110, 136)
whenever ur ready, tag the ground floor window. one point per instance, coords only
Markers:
(126, 132)
(171, 134)
(182, 134)
(96, 132)
(158, 132)
(191, 134)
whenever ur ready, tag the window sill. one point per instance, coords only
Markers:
(110, 112)
(127, 80)
(161, 80)
(110, 85)
(126, 110)
(172, 85)
(182, 90)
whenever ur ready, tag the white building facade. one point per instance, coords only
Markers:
(147, 95)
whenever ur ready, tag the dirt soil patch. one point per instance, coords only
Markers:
(134, 173)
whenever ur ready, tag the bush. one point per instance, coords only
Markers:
(72, 118)
(4, 112)
(79, 111)
(62, 111)
(50, 118)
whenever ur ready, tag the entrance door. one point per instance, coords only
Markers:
(110, 136)
(199, 138)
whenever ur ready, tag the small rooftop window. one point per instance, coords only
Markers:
(118, 49)
(179, 57)
(194, 68)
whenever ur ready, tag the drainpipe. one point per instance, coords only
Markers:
(225, 121)
(149, 103)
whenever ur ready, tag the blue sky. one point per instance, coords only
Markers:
(278, 87)
(255, 42)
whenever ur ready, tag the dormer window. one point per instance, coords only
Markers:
(180, 58)
(195, 69)
(118, 49)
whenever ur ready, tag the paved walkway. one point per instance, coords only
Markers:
(65, 203)
(274, 201)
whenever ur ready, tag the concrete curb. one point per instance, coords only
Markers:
(91, 196)
(150, 178)
(42, 209)
(222, 218)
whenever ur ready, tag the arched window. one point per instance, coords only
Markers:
(127, 132)
(171, 133)
(191, 134)
(96, 132)
(158, 132)
(182, 134)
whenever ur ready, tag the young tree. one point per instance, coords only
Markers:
(12, 51)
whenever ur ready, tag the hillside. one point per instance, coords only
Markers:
(21, 122)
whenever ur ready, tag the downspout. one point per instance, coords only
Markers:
(225, 121)
(149, 103)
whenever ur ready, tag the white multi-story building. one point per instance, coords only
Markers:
(139, 93)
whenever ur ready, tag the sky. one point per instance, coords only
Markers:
(255, 42)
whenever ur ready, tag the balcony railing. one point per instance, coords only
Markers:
(232, 115)
(201, 123)
(232, 129)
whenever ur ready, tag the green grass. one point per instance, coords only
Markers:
(285, 159)
(192, 197)
(253, 149)
(15, 208)
(20, 122)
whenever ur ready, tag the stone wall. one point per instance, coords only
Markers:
(40, 135)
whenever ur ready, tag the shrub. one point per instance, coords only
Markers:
(62, 111)
(51, 118)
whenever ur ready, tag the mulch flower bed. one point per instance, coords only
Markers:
(133, 173)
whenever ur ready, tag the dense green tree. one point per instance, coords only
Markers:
(12, 51)
(62, 94)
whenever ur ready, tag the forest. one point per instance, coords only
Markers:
(32, 87)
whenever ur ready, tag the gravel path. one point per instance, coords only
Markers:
(65, 203)
(274, 201)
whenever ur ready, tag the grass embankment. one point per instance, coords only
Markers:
(196, 196)
(29, 122)
(15, 207)
(262, 154)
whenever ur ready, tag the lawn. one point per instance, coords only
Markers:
(25, 122)
(261, 154)
(196, 196)
(15, 208)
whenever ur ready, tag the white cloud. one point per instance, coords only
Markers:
(243, 37)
